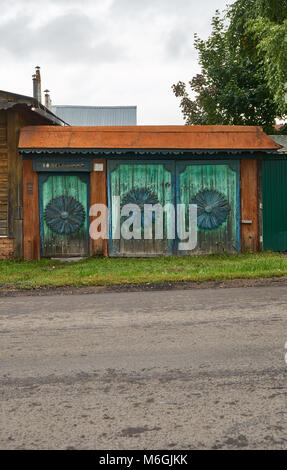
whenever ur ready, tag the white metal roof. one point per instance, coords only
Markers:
(282, 140)
(97, 115)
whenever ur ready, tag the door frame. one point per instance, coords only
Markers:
(42, 178)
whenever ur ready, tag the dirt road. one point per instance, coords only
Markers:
(190, 369)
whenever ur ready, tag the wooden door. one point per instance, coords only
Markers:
(63, 200)
(215, 188)
(140, 183)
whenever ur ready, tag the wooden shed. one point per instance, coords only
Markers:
(68, 169)
(16, 111)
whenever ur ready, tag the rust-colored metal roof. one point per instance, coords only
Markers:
(147, 137)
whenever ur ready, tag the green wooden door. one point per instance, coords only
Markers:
(140, 183)
(214, 188)
(63, 202)
(274, 189)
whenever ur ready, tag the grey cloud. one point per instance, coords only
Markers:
(72, 37)
(179, 44)
(177, 7)
(62, 3)
(138, 5)
(178, 21)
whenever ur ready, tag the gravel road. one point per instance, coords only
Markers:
(182, 369)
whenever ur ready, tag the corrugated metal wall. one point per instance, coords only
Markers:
(274, 181)
(97, 115)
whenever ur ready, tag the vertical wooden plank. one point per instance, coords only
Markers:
(15, 181)
(31, 228)
(98, 195)
(249, 205)
(4, 188)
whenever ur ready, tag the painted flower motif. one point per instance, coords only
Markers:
(140, 197)
(212, 209)
(64, 215)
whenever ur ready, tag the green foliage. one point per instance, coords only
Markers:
(274, 10)
(237, 84)
(271, 38)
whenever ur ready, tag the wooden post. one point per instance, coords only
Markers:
(31, 223)
(98, 195)
(249, 205)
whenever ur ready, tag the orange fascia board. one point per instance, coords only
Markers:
(147, 137)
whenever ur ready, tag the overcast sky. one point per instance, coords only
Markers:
(104, 52)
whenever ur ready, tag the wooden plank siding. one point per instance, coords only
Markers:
(64, 229)
(195, 179)
(149, 182)
(3, 176)
(14, 182)
(249, 205)
(10, 179)
(11, 217)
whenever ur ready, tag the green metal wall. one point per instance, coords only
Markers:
(274, 192)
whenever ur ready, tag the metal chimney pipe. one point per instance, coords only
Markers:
(48, 102)
(38, 79)
(35, 93)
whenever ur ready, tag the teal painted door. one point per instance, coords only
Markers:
(63, 202)
(274, 189)
(140, 183)
(214, 188)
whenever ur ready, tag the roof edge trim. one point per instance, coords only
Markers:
(140, 151)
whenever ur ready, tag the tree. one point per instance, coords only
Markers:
(270, 32)
(233, 87)
(274, 10)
